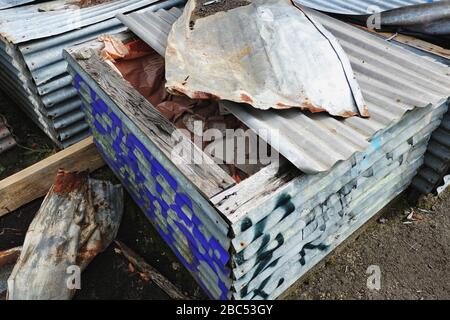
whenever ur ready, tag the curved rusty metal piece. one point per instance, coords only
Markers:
(269, 54)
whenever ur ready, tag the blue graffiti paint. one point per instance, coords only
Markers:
(127, 166)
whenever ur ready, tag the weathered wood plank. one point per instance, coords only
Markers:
(415, 42)
(206, 175)
(35, 181)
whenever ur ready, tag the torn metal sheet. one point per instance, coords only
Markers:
(78, 219)
(360, 7)
(284, 59)
(56, 17)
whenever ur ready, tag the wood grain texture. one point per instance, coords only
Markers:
(35, 181)
(207, 176)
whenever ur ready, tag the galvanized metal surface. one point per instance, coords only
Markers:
(437, 160)
(392, 79)
(56, 17)
(319, 211)
(219, 60)
(424, 17)
(4, 4)
(360, 7)
(34, 71)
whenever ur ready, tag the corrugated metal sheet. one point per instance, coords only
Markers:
(7, 141)
(426, 18)
(4, 4)
(32, 68)
(316, 142)
(56, 17)
(359, 7)
(437, 158)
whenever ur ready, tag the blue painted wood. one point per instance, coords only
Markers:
(161, 197)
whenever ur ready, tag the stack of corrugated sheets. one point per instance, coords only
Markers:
(32, 70)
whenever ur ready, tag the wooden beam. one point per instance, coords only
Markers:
(35, 181)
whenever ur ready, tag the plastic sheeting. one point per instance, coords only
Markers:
(283, 59)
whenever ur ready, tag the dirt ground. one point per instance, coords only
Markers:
(414, 257)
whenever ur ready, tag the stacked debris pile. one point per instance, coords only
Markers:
(7, 141)
(32, 70)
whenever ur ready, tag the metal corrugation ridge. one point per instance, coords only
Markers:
(57, 17)
(42, 85)
(4, 4)
(437, 161)
(437, 157)
(43, 57)
(7, 141)
(358, 7)
(392, 79)
(15, 79)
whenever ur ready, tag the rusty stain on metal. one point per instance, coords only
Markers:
(67, 182)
